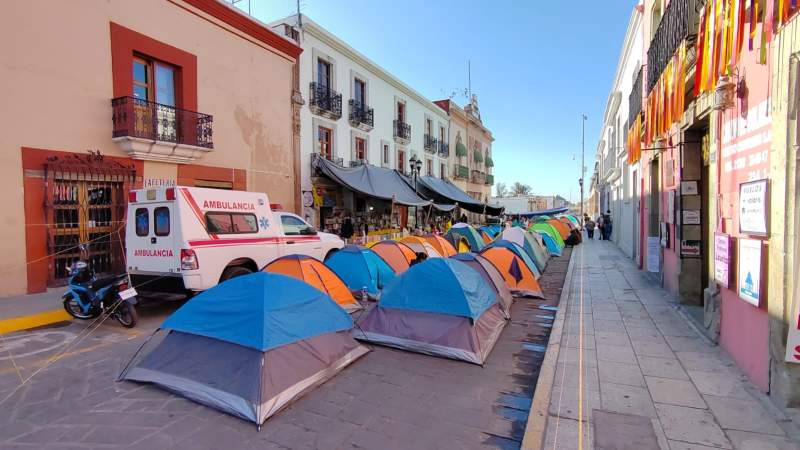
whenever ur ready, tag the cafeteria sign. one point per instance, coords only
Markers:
(753, 208)
(722, 259)
(749, 279)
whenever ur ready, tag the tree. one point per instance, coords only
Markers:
(501, 189)
(520, 189)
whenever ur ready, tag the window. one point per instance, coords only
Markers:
(385, 154)
(428, 127)
(231, 223)
(292, 226)
(142, 220)
(361, 148)
(441, 133)
(429, 167)
(360, 92)
(401, 112)
(325, 136)
(324, 73)
(153, 81)
(161, 221)
(443, 170)
(401, 160)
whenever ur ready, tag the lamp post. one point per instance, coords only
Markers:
(583, 165)
(416, 166)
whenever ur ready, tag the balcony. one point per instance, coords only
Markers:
(402, 131)
(152, 131)
(478, 177)
(431, 144)
(444, 149)
(460, 172)
(325, 102)
(357, 162)
(635, 99)
(338, 161)
(679, 23)
(361, 116)
(489, 179)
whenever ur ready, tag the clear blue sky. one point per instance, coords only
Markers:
(536, 66)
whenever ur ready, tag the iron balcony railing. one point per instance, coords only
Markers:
(335, 160)
(361, 114)
(402, 130)
(635, 99)
(325, 101)
(431, 144)
(134, 117)
(357, 162)
(444, 149)
(461, 172)
(678, 23)
(489, 179)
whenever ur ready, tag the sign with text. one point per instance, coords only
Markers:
(749, 276)
(653, 253)
(691, 217)
(690, 248)
(753, 208)
(793, 340)
(722, 259)
(689, 188)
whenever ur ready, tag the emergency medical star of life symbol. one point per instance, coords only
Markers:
(264, 222)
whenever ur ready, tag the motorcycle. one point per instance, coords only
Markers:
(88, 297)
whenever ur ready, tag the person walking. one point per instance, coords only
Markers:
(347, 229)
(608, 226)
(589, 227)
(600, 227)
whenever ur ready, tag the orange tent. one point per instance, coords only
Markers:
(317, 274)
(441, 245)
(397, 255)
(420, 245)
(517, 275)
(485, 236)
(561, 227)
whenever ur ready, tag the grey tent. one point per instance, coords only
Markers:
(248, 346)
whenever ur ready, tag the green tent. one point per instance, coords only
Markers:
(573, 219)
(549, 230)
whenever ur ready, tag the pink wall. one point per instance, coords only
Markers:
(745, 336)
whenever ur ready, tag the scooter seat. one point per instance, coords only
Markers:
(103, 282)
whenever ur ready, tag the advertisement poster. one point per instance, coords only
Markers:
(749, 276)
(653, 253)
(690, 248)
(722, 259)
(671, 207)
(793, 340)
(753, 208)
(689, 188)
(691, 217)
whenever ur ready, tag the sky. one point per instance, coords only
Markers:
(536, 67)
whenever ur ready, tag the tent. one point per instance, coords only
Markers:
(548, 229)
(485, 236)
(492, 276)
(574, 220)
(528, 243)
(248, 346)
(439, 307)
(421, 245)
(521, 281)
(466, 231)
(519, 251)
(442, 245)
(562, 228)
(549, 243)
(314, 272)
(361, 269)
(491, 230)
(397, 255)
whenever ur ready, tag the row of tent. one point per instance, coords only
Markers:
(251, 345)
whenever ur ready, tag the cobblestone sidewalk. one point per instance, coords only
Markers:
(649, 380)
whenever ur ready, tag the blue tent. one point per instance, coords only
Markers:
(361, 268)
(441, 285)
(461, 230)
(519, 251)
(248, 346)
(491, 230)
(550, 243)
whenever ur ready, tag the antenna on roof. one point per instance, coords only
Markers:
(299, 16)
(234, 2)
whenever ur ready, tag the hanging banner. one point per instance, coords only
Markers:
(749, 277)
(722, 259)
(793, 340)
(753, 208)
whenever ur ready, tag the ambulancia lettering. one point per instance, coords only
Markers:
(162, 253)
(220, 204)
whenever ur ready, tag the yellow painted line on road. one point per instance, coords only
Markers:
(34, 320)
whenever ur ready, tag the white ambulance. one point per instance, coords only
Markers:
(181, 239)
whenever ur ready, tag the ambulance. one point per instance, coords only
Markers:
(183, 239)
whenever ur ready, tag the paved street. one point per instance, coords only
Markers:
(388, 399)
(650, 381)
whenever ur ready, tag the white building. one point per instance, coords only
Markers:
(615, 189)
(355, 112)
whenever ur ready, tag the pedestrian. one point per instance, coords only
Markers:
(589, 227)
(608, 226)
(463, 218)
(600, 227)
(347, 229)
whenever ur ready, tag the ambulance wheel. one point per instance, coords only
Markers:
(233, 272)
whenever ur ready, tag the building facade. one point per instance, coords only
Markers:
(356, 112)
(188, 92)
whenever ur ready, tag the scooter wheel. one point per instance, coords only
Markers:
(126, 315)
(73, 308)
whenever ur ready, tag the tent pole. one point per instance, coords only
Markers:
(125, 369)
(260, 389)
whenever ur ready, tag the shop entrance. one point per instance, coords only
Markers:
(85, 203)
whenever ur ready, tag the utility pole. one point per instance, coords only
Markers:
(583, 163)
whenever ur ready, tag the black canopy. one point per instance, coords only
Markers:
(372, 181)
(447, 192)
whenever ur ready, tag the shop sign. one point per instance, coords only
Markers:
(689, 188)
(690, 248)
(793, 340)
(749, 276)
(308, 199)
(653, 253)
(722, 259)
(691, 217)
(157, 182)
(753, 208)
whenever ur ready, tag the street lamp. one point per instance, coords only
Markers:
(416, 167)
(583, 164)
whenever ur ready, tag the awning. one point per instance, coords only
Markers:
(372, 181)
(542, 212)
(443, 207)
(443, 190)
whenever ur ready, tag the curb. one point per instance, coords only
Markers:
(535, 429)
(20, 323)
